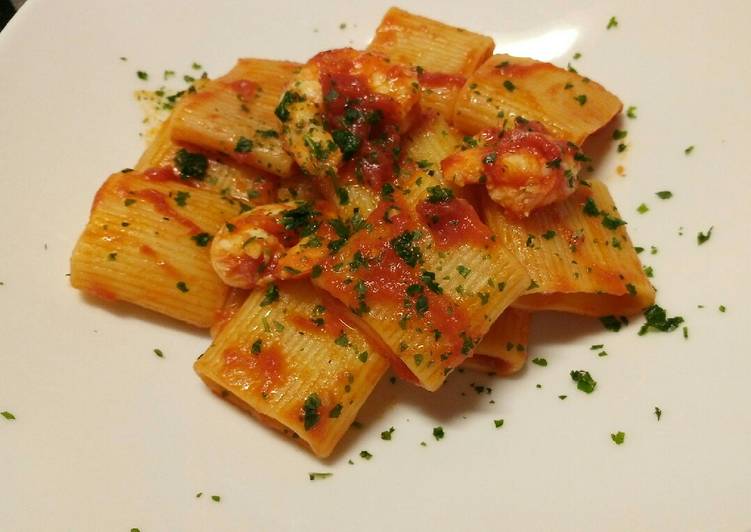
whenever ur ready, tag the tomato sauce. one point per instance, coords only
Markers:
(244, 88)
(371, 119)
(101, 292)
(159, 201)
(439, 80)
(165, 174)
(453, 223)
(266, 368)
(148, 251)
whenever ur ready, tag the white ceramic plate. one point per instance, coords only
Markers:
(108, 436)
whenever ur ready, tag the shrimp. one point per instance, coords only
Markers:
(275, 241)
(523, 169)
(338, 102)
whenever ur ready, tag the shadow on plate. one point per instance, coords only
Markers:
(128, 311)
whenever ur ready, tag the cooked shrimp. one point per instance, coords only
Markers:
(523, 169)
(338, 102)
(275, 241)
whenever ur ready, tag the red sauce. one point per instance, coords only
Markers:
(518, 70)
(235, 300)
(608, 281)
(149, 252)
(266, 370)
(438, 80)
(159, 201)
(373, 118)
(101, 292)
(100, 194)
(331, 326)
(453, 223)
(164, 174)
(244, 88)
(387, 277)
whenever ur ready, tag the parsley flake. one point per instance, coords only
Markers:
(702, 237)
(584, 381)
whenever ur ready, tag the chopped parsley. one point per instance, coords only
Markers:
(590, 208)
(216, 498)
(581, 98)
(256, 347)
(347, 141)
(509, 86)
(386, 434)
(438, 433)
(342, 195)
(658, 412)
(319, 476)
(611, 222)
(282, 110)
(702, 237)
(439, 194)
(631, 112)
(244, 145)
(429, 279)
(688, 150)
(301, 219)
(613, 323)
(664, 194)
(267, 133)
(182, 286)
(547, 235)
(191, 165)
(584, 381)
(618, 438)
(642, 209)
(657, 320)
(498, 423)
(7, 415)
(366, 455)
(722, 308)
(405, 247)
(540, 361)
(310, 411)
(201, 239)
(336, 411)
(463, 270)
(619, 134)
(342, 340)
(612, 23)
(159, 353)
(271, 295)
(142, 75)
(181, 198)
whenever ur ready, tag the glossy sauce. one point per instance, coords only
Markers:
(453, 223)
(438, 80)
(248, 370)
(375, 161)
(244, 88)
(159, 201)
(148, 251)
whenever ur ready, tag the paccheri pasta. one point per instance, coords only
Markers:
(405, 206)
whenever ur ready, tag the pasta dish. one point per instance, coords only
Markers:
(408, 206)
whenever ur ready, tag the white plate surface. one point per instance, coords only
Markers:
(110, 437)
